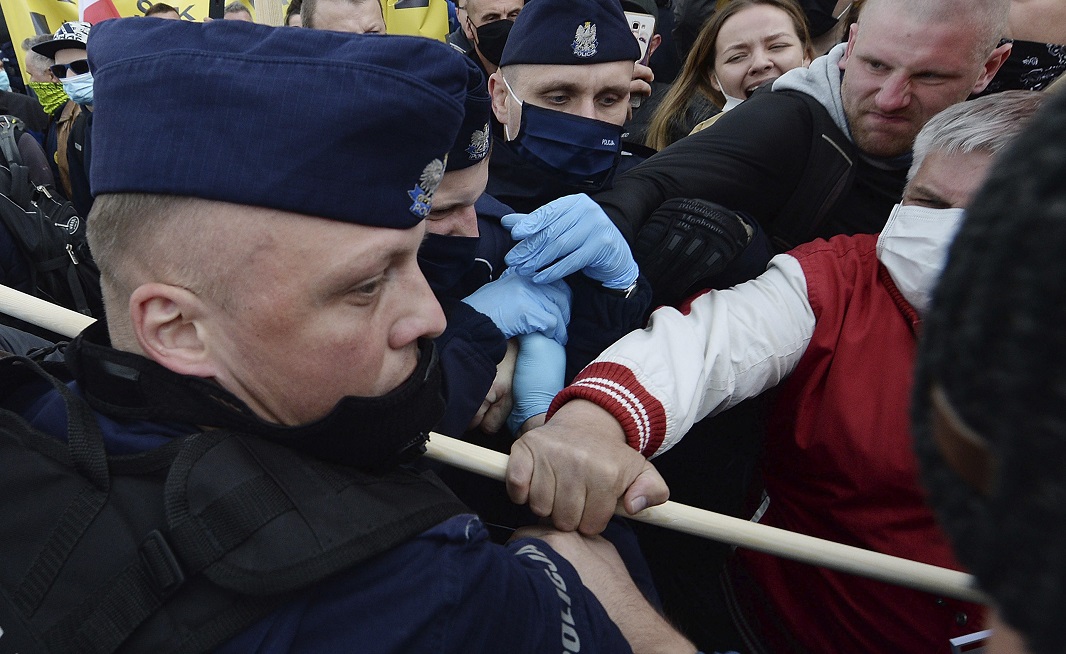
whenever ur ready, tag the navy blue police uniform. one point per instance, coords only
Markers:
(429, 582)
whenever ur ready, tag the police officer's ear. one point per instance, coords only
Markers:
(169, 324)
(501, 100)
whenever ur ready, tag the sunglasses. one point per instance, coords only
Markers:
(79, 67)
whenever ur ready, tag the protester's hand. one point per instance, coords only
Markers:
(640, 85)
(518, 306)
(567, 235)
(539, 375)
(499, 400)
(577, 466)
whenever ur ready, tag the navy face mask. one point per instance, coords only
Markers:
(444, 260)
(581, 151)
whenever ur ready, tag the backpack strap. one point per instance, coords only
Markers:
(21, 187)
(85, 453)
(275, 522)
(9, 128)
(827, 177)
(220, 529)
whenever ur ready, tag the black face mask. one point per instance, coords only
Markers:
(444, 260)
(491, 37)
(362, 432)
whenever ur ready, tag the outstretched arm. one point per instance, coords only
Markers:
(648, 389)
(749, 161)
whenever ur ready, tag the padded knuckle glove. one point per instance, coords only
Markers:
(686, 242)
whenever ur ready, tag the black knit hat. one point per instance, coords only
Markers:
(994, 343)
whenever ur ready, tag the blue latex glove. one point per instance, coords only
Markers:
(519, 306)
(538, 376)
(567, 235)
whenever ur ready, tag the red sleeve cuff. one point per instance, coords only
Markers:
(615, 388)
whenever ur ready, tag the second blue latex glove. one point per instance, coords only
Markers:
(517, 305)
(538, 377)
(568, 235)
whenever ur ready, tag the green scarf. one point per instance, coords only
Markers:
(50, 95)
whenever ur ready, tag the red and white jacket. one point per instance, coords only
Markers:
(826, 324)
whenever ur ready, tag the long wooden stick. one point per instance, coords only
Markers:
(751, 535)
(671, 515)
(42, 313)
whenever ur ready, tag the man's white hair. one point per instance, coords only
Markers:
(986, 124)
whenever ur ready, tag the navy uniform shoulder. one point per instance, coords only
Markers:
(448, 589)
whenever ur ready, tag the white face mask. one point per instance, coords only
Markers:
(913, 246)
(730, 101)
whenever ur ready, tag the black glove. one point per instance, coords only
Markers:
(685, 243)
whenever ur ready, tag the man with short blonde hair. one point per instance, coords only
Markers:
(832, 327)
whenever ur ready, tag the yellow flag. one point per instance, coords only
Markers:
(27, 18)
(427, 18)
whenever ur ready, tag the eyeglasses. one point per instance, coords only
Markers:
(79, 67)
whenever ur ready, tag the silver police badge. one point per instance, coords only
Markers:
(479, 144)
(422, 195)
(585, 42)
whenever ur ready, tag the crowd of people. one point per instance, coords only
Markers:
(703, 269)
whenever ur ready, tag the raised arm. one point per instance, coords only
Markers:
(748, 161)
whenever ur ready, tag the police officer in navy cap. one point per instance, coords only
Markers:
(226, 469)
(463, 258)
(561, 96)
(463, 251)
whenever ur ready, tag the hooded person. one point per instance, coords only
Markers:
(988, 400)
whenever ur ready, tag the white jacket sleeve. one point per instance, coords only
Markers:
(731, 345)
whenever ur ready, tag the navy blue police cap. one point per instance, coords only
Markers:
(348, 127)
(570, 32)
(472, 144)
